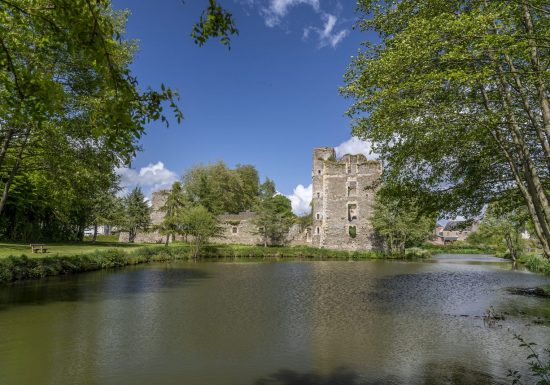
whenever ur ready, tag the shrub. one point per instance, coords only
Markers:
(415, 252)
(536, 263)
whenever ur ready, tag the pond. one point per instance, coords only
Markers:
(284, 323)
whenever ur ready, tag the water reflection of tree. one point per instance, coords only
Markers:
(340, 376)
(433, 374)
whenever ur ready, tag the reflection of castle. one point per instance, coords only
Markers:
(342, 200)
(342, 208)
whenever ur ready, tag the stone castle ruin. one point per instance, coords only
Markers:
(342, 206)
(343, 199)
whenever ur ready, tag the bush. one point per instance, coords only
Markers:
(539, 363)
(459, 247)
(416, 252)
(536, 263)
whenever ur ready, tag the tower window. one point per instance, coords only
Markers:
(318, 195)
(318, 216)
(234, 230)
(318, 230)
(319, 172)
(352, 189)
(352, 231)
(352, 212)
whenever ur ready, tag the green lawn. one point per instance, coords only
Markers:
(65, 248)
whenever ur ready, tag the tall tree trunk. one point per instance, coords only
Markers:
(167, 240)
(131, 235)
(535, 63)
(94, 238)
(542, 228)
(510, 245)
(15, 168)
(5, 145)
(535, 122)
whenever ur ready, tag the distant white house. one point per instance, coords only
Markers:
(525, 235)
(101, 230)
(455, 231)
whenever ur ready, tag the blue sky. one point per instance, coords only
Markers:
(268, 101)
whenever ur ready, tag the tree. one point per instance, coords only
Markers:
(107, 209)
(214, 22)
(267, 189)
(173, 208)
(455, 99)
(64, 66)
(72, 111)
(137, 213)
(201, 225)
(273, 217)
(502, 226)
(400, 224)
(220, 189)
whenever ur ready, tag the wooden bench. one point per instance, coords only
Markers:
(36, 248)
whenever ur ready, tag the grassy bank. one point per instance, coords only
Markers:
(458, 248)
(535, 263)
(16, 268)
(66, 248)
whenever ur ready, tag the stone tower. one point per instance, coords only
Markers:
(342, 206)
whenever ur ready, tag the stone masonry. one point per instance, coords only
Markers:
(342, 208)
(342, 204)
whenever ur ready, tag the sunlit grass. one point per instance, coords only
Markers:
(61, 248)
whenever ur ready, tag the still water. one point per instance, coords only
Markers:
(276, 323)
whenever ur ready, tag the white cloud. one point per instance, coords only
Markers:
(151, 178)
(354, 146)
(327, 35)
(300, 199)
(278, 9)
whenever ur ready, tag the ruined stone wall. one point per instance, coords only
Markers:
(238, 229)
(298, 236)
(341, 201)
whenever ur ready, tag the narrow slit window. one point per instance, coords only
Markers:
(318, 230)
(352, 212)
(352, 189)
(234, 230)
(318, 216)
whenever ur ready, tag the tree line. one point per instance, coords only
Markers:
(191, 207)
(71, 110)
(455, 98)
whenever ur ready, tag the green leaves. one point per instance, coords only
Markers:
(214, 22)
(201, 225)
(418, 96)
(137, 213)
(400, 223)
(273, 217)
(222, 190)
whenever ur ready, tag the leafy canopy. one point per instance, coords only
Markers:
(454, 97)
(221, 189)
